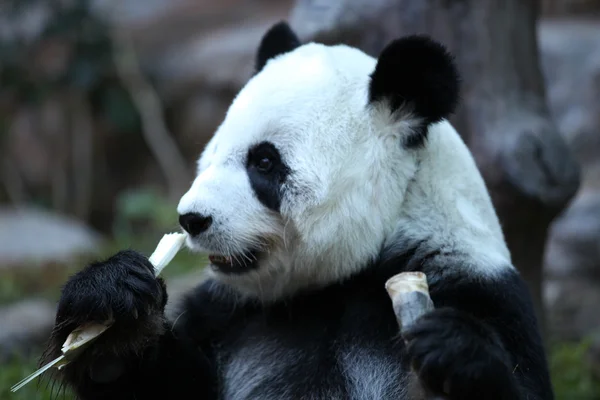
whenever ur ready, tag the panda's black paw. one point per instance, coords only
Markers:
(458, 357)
(123, 289)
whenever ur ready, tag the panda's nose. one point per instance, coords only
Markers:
(195, 223)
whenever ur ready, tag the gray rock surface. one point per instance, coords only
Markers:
(29, 235)
(25, 325)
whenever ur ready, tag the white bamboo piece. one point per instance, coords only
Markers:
(409, 293)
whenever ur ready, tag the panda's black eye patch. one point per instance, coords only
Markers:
(263, 157)
(267, 172)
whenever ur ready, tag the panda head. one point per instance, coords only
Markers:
(318, 165)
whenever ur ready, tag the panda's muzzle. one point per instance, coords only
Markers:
(196, 224)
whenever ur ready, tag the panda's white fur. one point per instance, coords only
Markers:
(353, 187)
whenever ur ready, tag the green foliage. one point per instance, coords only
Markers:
(572, 375)
(119, 109)
(40, 389)
(9, 289)
(143, 216)
(42, 280)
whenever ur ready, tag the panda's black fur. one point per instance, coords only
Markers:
(340, 341)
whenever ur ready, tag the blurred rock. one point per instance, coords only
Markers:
(572, 291)
(574, 243)
(570, 53)
(572, 307)
(29, 235)
(25, 326)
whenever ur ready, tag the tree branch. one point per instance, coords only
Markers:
(154, 128)
(13, 183)
(82, 154)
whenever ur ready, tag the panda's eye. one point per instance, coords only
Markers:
(267, 173)
(264, 164)
(263, 158)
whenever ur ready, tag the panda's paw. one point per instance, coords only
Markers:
(123, 289)
(458, 357)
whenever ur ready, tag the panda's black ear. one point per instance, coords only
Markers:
(279, 39)
(417, 73)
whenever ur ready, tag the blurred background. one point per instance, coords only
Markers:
(105, 105)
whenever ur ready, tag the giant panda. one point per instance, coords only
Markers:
(331, 172)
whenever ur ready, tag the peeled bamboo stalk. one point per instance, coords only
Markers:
(84, 335)
(409, 293)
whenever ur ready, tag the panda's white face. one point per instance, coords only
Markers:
(298, 175)
(304, 181)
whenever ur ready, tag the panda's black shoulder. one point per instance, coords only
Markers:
(210, 310)
(458, 278)
(494, 293)
(214, 312)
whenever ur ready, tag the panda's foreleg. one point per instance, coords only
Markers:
(481, 341)
(139, 356)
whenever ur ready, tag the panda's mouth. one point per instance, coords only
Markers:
(235, 264)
